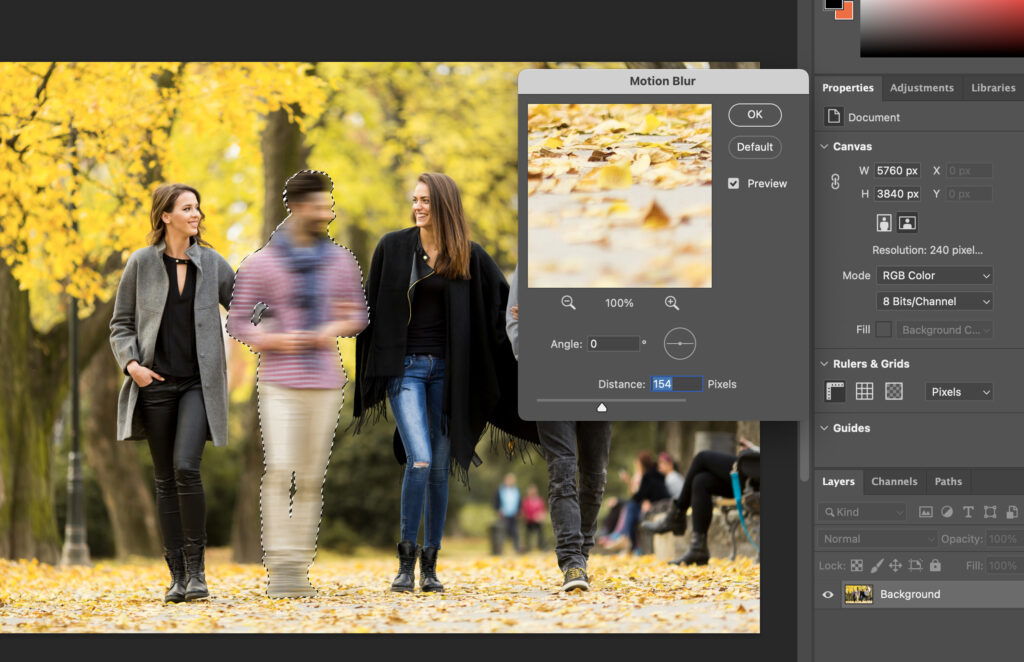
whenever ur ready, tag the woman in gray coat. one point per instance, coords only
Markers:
(167, 337)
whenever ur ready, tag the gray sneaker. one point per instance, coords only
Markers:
(576, 580)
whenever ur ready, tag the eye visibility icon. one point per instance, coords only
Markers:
(567, 302)
(670, 302)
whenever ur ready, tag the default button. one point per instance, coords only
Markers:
(755, 147)
(755, 114)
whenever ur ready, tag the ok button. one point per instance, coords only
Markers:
(755, 114)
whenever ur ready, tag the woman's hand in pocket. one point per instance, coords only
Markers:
(141, 375)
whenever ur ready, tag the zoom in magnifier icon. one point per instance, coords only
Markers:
(567, 302)
(670, 302)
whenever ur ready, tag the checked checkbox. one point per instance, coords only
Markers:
(734, 182)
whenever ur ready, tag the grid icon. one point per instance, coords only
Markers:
(856, 565)
(894, 390)
(864, 390)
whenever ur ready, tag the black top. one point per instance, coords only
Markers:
(652, 488)
(176, 341)
(428, 328)
(480, 371)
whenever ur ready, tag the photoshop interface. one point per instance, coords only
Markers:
(813, 229)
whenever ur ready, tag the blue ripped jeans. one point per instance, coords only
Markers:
(418, 409)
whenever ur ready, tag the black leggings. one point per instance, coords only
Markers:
(175, 419)
(708, 476)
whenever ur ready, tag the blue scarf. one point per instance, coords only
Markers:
(305, 265)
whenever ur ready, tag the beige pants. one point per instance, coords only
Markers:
(298, 433)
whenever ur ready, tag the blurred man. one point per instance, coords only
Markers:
(293, 298)
(569, 446)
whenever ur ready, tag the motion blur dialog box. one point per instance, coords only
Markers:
(648, 288)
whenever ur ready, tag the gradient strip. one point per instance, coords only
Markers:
(942, 28)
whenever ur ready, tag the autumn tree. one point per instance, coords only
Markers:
(81, 145)
(387, 122)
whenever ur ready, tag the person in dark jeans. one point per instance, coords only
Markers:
(436, 351)
(707, 476)
(166, 335)
(568, 446)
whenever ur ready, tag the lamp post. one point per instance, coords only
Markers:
(76, 549)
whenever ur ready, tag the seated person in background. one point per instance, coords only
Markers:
(613, 506)
(673, 479)
(649, 488)
(707, 476)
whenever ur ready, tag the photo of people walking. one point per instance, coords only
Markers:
(315, 270)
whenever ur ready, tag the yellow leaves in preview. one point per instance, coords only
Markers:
(619, 195)
(666, 146)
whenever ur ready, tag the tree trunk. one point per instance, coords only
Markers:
(284, 153)
(31, 393)
(672, 433)
(127, 490)
(749, 430)
(734, 65)
(656, 65)
(32, 390)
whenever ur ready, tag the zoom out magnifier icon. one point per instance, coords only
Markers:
(567, 302)
(670, 302)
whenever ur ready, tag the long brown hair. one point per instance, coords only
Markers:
(449, 225)
(163, 201)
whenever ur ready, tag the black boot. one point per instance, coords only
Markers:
(195, 568)
(698, 553)
(405, 582)
(429, 583)
(176, 562)
(674, 521)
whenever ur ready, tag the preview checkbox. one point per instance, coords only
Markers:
(734, 182)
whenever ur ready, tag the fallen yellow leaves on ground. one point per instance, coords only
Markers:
(484, 594)
(605, 161)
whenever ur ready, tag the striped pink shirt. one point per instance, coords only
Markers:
(264, 277)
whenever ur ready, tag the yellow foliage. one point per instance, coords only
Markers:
(82, 146)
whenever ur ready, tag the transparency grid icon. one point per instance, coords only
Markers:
(894, 390)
